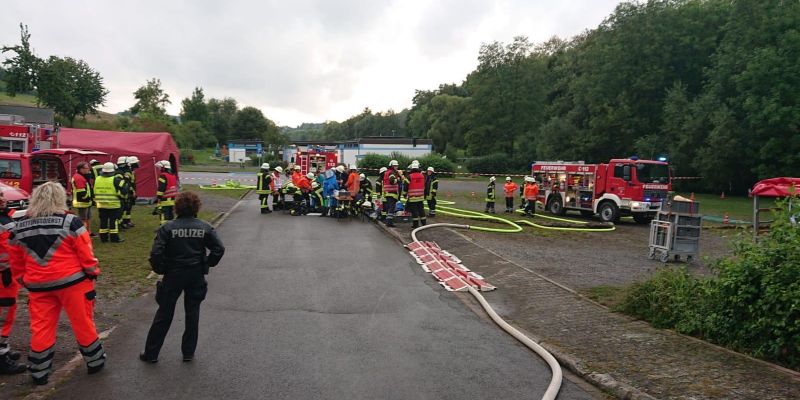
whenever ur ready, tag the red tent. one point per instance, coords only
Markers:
(149, 147)
(776, 187)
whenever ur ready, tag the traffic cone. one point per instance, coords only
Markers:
(722, 196)
(725, 219)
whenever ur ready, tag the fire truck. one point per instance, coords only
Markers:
(319, 157)
(621, 187)
(29, 154)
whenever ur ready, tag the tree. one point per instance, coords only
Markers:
(150, 99)
(22, 69)
(194, 108)
(221, 114)
(70, 87)
(249, 123)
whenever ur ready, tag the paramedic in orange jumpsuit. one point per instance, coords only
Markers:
(51, 255)
(9, 288)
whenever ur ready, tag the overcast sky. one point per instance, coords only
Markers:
(296, 60)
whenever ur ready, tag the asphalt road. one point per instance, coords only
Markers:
(313, 308)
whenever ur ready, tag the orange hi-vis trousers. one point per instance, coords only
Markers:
(8, 311)
(45, 308)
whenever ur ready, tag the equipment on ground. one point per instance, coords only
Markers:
(621, 187)
(675, 232)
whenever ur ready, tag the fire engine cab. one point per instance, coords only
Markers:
(621, 187)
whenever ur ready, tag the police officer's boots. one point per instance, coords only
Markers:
(10, 367)
(116, 239)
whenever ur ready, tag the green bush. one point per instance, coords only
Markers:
(373, 162)
(442, 166)
(751, 305)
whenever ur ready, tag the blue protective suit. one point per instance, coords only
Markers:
(329, 185)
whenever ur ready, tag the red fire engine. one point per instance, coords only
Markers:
(622, 187)
(321, 158)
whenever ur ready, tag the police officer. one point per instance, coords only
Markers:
(179, 252)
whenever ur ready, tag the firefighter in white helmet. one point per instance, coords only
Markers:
(491, 196)
(391, 189)
(277, 184)
(431, 186)
(166, 192)
(109, 190)
(264, 187)
(130, 177)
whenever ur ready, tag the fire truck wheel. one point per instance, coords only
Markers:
(608, 212)
(555, 206)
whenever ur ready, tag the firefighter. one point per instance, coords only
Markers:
(130, 177)
(166, 192)
(302, 199)
(9, 288)
(109, 190)
(123, 170)
(508, 189)
(431, 186)
(82, 194)
(353, 186)
(379, 193)
(58, 274)
(95, 166)
(276, 185)
(415, 196)
(531, 191)
(341, 176)
(391, 189)
(317, 200)
(263, 185)
(296, 175)
(179, 253)
(491, 196)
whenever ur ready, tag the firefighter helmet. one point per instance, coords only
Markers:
(393, 163)
(297, 168)
(314, 184)
(492, 179)
(122, 160)
(382, 170)
(352, 167)
(415, 165)
(166, 164)
(340, 168)
(133, 160)
(362, 176)
(265, 166)
(431, 169)
(94, 162)
(310, 175)
(279, 169)
(508, 179)
(108, 167)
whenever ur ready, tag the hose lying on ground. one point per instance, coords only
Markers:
(555, 381)
(514, 226)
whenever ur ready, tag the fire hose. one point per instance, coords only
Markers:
(555, 381)
(514, 225)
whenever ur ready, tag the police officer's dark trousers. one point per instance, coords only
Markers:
(192, 283)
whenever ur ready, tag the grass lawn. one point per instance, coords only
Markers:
(20, 99)
(124, 265)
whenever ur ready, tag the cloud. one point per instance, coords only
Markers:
(299, 61)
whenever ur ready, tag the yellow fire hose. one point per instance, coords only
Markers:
(513, 226)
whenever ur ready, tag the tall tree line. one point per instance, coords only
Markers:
(714, 85)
